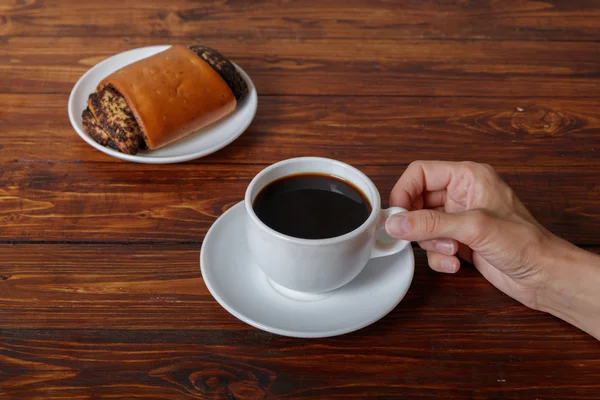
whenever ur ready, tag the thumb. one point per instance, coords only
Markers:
(468, 227)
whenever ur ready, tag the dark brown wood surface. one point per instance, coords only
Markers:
(100, 290)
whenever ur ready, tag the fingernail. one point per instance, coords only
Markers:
(444, 246)
(397, 225)
(448, 266)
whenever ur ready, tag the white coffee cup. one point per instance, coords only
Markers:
(317, 265)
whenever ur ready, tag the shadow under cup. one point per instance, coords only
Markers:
(297, 266)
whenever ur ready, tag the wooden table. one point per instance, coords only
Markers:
(100, 290)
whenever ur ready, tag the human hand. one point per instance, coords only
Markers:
(465, 209)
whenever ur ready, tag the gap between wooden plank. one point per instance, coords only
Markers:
(383, 95)
(315, 37)
(192, 162)
(590, 246)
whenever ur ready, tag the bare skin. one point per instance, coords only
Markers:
(465, 211)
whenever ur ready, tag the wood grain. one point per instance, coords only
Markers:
(100, 290)
(367, 130)
(138, 322)
(175, 364)
(531, 132)
(338, 67)
(364, 19)
(177, 203)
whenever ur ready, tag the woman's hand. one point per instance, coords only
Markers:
(465, 209)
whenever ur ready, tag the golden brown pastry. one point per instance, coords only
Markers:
(163, 98)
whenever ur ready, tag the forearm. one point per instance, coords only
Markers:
(572, 290)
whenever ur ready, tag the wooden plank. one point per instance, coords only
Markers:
(177, 203)
(338, 67)
(367, 130)
(136, 320)
(362, 19)
(212, 364)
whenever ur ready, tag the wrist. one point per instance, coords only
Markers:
(570, 291)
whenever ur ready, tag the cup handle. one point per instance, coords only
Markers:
(386, 245)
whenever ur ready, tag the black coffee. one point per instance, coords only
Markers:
(312, 206)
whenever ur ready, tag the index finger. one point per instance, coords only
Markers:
(421, 176)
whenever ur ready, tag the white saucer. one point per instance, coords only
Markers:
(199, 144)
(243, 290)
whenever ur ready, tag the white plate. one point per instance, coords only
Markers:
(243, 290)
(198, 144)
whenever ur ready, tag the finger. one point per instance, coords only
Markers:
(474, 228)
(434, 199)
(443, 246)
(417, 204)
(465, 253)
(421, 176)
(443, 263)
